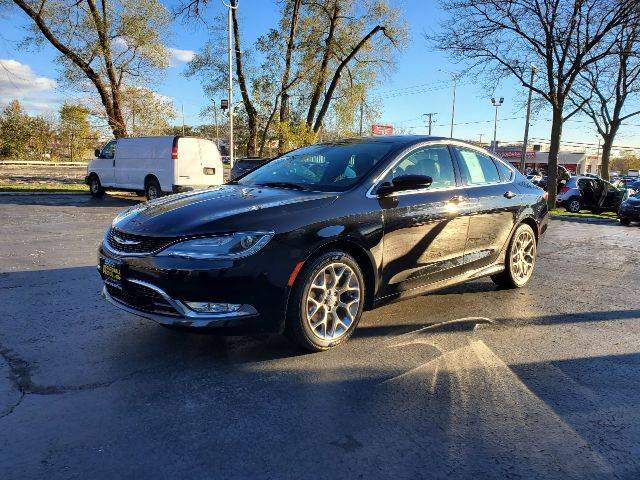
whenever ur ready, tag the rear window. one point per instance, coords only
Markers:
(478, 168)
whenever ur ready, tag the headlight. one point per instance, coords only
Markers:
(236, 245)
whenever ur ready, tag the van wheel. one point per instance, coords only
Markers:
(95, 187)
(152, 189)
(327, 300)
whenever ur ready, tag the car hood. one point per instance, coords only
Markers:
(217, 210)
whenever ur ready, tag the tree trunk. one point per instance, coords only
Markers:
(607, 144)
(336, 76)
(252, 113)
(554, 149)
(284, 99)
(322, 73)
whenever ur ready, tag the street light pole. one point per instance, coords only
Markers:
(497, 104)
(523, 158)
(230, 6)
(453, 105)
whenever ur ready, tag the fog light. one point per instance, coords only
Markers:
(208, 307)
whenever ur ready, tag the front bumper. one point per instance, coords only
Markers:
(157, 288)
(630, 212)
(184, 316)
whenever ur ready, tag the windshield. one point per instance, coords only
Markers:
(325, 167)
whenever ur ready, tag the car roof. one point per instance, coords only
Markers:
(398, 140)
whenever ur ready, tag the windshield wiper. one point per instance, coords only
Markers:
(293, 186)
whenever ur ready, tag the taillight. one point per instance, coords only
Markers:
(174, 152)
(564, 189)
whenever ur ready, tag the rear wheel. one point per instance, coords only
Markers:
(95, 187)
(152, 189)
(327, 302)
(520, 261)
(574, 206)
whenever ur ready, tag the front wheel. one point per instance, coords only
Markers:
(95, 187)
(520, 261)
(327, 302)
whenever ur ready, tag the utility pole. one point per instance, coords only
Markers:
(481, 135)
(497, 104)
(430, 120)
(182, 108)
(453, 104)
(230, 6)
(361, 113)
(215, 117)
(523, 158)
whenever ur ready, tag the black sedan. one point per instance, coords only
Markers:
(629, 210)
(305, 243)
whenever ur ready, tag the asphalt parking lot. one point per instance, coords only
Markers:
(470, 382)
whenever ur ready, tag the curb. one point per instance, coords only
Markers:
(42, 193)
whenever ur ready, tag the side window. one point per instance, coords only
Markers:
(477, 168)
(505, 172)
(434, 162)
(109, 150)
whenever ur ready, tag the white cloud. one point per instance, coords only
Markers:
(19, 82)
(181, 55)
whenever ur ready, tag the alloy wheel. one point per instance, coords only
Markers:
(574, 206)
(152, 192)
(333, 301)
(523, 256)
(95, 185)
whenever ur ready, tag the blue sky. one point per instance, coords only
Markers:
(419, 84)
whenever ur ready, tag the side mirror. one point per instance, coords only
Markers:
(97, 153)
(405, 182)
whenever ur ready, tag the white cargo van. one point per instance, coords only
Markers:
(155, 165)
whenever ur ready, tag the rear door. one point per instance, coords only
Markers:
(424, 230)
(189, 165)
(494, 203)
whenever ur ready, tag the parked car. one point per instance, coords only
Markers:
(155, 165)
(244, 165)
(589, 193)
(629, 210)
(306, 242)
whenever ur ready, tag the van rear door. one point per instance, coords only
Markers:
(188, 164)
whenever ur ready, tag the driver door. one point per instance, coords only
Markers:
(106, 161)
(425, 230)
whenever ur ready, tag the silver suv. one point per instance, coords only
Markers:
(595, 194)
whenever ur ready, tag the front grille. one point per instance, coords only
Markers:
(136, 243)
(141, 298)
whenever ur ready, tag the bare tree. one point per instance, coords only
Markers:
(604, 89)
(105, 42)
(562, 37)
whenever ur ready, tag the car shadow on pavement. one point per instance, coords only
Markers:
(598, 221)
(96, 388)
(71, 200)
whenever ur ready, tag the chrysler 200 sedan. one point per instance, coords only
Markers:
(307, 242)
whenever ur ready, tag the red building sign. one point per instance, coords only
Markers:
(379, 129)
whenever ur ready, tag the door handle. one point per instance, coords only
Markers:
(509, 194)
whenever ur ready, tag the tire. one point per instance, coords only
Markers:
(337, 310)
(520, 259)
(625, 221)
(152, 189)
(95, 187)
(574, 205)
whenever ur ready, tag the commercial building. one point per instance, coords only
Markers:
(576, 162)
